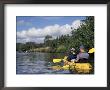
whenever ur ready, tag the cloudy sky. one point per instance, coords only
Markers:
(35, 28)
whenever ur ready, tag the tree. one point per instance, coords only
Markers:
(47, 40)
(84, 34)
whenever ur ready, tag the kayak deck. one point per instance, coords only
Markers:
(81, 67)
(75, 67)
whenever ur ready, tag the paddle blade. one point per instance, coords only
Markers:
(57, 60)
(91, 50)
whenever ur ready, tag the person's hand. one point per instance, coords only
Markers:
(76, 60)
(67, 62)
(72, 63)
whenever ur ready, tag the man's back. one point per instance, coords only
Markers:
(83, 56)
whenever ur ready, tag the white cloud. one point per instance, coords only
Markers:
(76, 24)
(38, 34)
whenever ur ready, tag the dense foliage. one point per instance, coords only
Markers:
(84, 35)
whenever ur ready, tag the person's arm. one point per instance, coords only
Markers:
(77, 59)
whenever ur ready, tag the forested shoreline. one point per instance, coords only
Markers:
(84, 35)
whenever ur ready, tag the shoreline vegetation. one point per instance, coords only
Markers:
(45, 50)
(84, 35)
(60, 49)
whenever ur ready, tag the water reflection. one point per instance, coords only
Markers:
(37, 63)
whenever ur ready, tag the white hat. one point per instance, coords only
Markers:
(72, 49)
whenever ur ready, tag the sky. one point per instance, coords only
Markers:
(35, 28)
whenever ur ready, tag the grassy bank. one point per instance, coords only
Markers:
(42, 49)
(59, 49)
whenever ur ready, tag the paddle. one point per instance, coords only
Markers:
(59, 60)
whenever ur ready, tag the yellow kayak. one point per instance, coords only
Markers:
(81, 67)
(77, 67)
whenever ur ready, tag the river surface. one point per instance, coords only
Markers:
(37, 63)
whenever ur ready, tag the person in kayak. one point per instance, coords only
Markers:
(83, 56)
(72, 55)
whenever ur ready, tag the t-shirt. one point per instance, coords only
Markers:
(82, 56)
(71, 56)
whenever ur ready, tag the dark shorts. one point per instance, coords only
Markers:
(84, 60)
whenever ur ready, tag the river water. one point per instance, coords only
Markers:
(37, 63)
